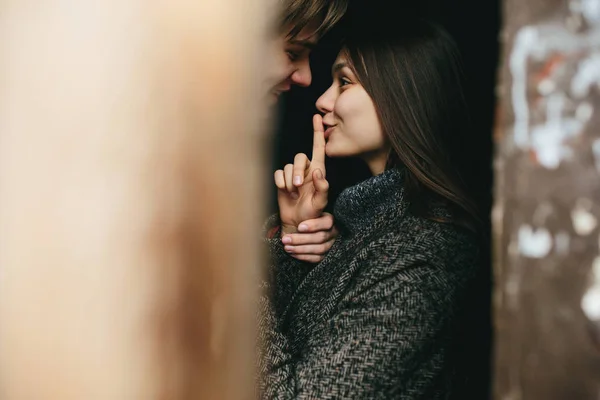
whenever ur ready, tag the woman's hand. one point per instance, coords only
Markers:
(302, 187)
(314, 240)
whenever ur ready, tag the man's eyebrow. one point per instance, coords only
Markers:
(304, 43)
(338, 66)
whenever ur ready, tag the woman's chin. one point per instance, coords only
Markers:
(330, 150)
(336, 152)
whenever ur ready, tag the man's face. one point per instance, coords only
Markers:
(292, 65)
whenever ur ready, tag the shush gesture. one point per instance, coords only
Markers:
(302, 187)
(307, 232)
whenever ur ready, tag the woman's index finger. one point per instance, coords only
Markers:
(318, 153)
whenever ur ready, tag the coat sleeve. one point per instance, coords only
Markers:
(388, 338)
(283, 272)
(282, 276)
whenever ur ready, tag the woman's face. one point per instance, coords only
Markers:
(352, 127)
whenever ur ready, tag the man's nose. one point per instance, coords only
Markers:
(302, 76)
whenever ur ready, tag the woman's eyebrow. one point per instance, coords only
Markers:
(338, 66)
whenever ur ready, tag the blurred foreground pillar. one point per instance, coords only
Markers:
(547, 202)
(130, 191)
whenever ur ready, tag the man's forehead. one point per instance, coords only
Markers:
(307, 37)
(309, 43)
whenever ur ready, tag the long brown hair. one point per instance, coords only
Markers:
(412, 72)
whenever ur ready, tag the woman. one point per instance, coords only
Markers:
(375, 318)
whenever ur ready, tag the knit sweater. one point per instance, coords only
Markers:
(375, 318)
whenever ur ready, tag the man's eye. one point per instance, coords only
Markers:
(292, 55)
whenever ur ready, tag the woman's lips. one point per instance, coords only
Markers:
(328, 131)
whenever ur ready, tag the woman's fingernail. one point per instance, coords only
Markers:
(303, 228)
(288, 248)
(287, 240)
(297, 180)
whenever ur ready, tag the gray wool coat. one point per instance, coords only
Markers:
(375, 319)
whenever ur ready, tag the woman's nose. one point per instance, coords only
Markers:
(326, 101)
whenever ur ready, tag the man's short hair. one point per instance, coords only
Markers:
(297, 14)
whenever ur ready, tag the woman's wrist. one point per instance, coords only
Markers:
(286, 229)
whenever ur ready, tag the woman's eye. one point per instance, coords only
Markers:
(292, 55)
(344, 82)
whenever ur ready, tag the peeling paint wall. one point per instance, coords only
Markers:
(547, 202)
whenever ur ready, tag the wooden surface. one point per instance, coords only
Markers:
(131, 181)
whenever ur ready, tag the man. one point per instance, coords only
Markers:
(302, 24)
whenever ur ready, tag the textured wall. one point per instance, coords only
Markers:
(547, 202)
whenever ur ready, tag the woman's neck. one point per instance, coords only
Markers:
(376, 162)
